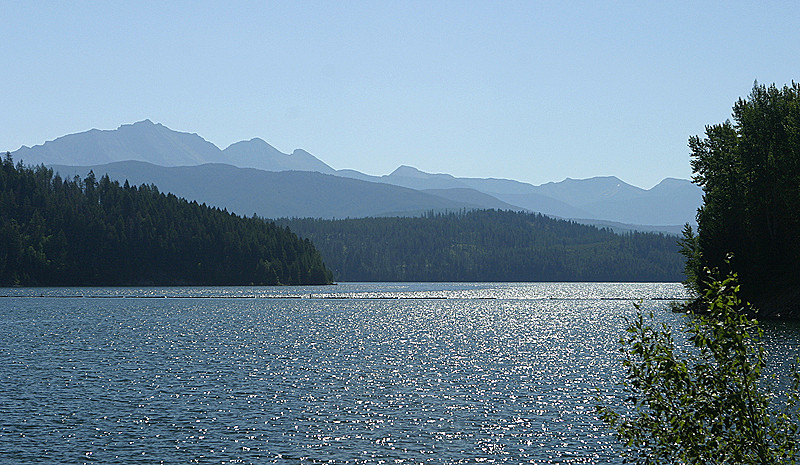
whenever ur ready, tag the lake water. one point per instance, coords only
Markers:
(353, 373)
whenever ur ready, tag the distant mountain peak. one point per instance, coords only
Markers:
(673, 182)
(143, 124)
(143, 140)
(605, 179)
(256, 153)
(411, 172)
(251, 145)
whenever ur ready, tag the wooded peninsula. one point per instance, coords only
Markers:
(85, 232)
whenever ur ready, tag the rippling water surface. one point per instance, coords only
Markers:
(354, 373)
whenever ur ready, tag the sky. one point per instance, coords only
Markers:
(529, 90)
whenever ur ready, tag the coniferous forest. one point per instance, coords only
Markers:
(488, 245)
(61, 232)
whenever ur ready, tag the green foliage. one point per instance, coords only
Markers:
(56, 232)
(750, 174)
(488, 245)
(707, 404)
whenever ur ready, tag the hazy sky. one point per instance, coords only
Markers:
(534, 91)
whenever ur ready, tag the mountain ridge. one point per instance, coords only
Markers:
(604, 198)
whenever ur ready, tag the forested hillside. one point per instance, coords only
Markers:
(487, 245)
(56, 231)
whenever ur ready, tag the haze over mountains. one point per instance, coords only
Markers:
(253, 177)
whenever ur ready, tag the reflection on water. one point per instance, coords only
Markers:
(356, 373)
(516, 291)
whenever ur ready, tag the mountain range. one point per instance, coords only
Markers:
(252, 177)
(157, 144)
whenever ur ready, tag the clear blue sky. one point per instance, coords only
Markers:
(534, 91)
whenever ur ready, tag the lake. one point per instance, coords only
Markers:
(353, 373)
